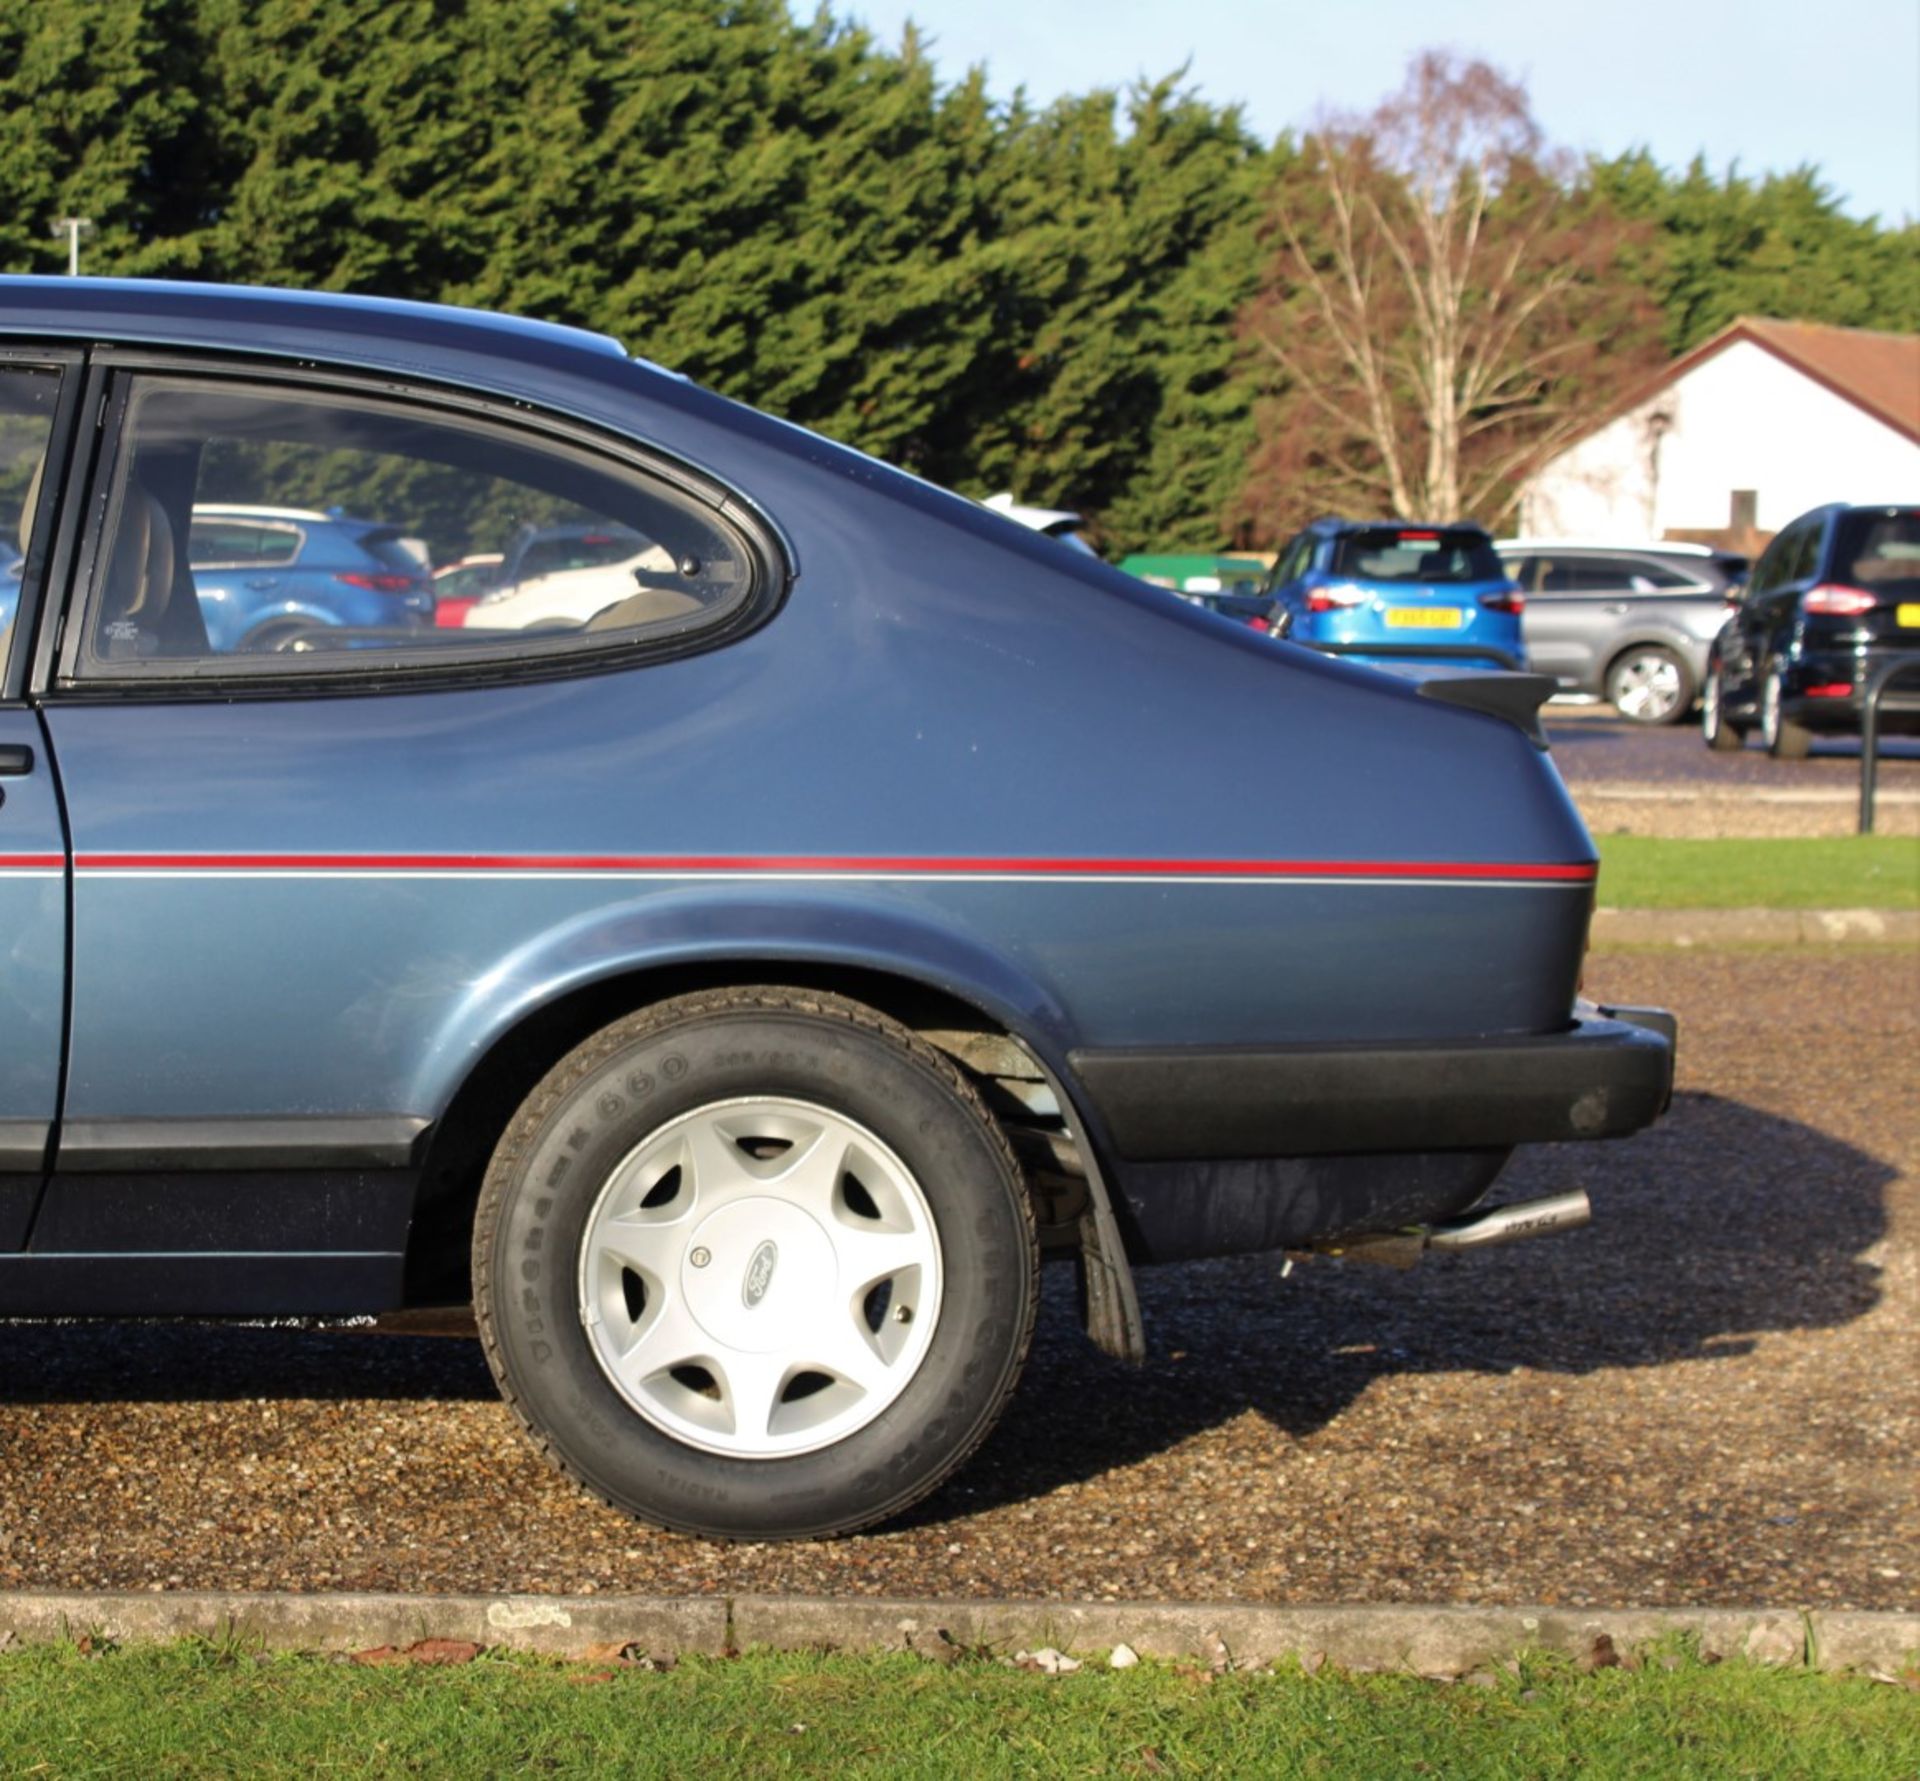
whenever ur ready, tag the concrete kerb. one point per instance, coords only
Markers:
(1426, 1641)
(559, 1626)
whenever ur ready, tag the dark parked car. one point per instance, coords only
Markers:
(737, 991)
(1391, 592)
(1832, 599)
(1630, 624)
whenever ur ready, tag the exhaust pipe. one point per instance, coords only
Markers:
(1476, 1230)
(1512, 1224)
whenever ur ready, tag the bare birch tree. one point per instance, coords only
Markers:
(1440, 307)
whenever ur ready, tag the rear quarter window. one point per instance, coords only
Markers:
(643, 558)
(1870, 549)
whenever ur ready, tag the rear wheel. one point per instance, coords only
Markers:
(1650, 685)
(1716, 729)
(1785, 739)
(280, 636)
(756, 1264)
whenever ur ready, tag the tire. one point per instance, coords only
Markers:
(1649, 685)
(1716, 729)
(279, 636)
(756, 1264)
(1785, 739)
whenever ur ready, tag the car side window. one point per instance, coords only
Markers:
(1806, 559)
(1577, 575)
(1767, 573)
(27, 397)
(217, 541)
(256, 530)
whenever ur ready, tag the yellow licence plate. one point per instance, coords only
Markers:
(1908, 613)
(1427, 618)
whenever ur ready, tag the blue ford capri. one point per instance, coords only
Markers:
(735, 983)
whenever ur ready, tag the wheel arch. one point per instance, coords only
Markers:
(523, 1037)
(1675, 643)
(1684, 652)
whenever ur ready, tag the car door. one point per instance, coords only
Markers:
(294, 872)
(1290, 567)
(1743, 641)
(35, 406)
(1563, 593)
(1799, 571)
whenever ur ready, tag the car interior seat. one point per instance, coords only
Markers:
(140, 582)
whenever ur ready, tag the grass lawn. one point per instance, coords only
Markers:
(199, 1709)
(1850, 872)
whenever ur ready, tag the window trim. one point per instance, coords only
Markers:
(115, 372)
(44, 554)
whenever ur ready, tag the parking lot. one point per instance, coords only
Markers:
(1592, 745)
(1704, 1398)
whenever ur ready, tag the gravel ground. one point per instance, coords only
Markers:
(1708, 1397)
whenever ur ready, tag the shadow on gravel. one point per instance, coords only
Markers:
(1719, 1223)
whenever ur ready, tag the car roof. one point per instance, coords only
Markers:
(238, 511)
(1634, 547)
(1333, 526)
(351, 329)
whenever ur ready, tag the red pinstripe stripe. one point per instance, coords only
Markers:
(31, 861)
(668, 863)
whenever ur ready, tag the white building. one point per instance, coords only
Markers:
(1764, 421)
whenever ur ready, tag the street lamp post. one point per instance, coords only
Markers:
(75, 228)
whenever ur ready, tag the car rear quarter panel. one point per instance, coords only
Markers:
(1009, 754)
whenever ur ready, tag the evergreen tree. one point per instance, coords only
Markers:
(100, 117)
(1723, 248)
(992, 295)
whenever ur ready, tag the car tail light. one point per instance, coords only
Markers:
(1332, 599)
(1259, 624)
(1838, 689)
(1511, 600)
(1838, 602)
(379, 584)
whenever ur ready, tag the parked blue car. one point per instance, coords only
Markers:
(734, 990)
(266, 576)
(1388, 593)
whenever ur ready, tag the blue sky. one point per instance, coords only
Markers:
(1767, 85)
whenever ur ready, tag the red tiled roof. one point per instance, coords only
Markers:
(1877, 372)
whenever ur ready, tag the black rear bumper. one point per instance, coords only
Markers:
(1610, 1072)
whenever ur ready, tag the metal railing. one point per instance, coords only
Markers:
(1883, 678)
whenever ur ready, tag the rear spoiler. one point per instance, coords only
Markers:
(1516, 697)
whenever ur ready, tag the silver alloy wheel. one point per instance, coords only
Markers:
(760, 1277)
(1710, 715)
(1646, 686)
(1770, 710)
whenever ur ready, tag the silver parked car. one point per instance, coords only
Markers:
(1630, 624)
